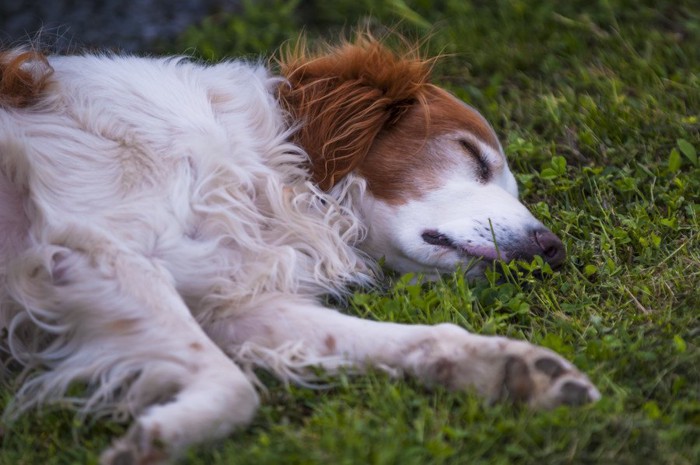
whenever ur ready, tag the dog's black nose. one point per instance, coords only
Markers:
(551, 247)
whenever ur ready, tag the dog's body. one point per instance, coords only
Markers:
(163, 223)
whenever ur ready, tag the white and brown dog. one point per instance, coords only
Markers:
(165, 224)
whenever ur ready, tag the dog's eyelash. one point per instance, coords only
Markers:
(483, 170)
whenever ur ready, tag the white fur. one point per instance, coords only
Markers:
(156, 224)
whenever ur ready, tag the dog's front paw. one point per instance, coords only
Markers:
(499, 368)
(542, 379)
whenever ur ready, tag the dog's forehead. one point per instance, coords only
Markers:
(449, 115)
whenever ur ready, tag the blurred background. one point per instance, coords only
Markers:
(114, 24)
(232, 26)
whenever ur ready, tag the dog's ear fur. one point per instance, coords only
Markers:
(23, 76)
(344, 96)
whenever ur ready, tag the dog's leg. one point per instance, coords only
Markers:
(122, 328)
(444, 354)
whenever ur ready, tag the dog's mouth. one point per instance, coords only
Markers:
(439, 239)
(539, 241)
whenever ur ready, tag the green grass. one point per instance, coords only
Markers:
(598, 108)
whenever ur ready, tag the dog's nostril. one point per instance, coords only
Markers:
(551, 247)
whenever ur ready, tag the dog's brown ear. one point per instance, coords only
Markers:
(23, 76)
(344, 97)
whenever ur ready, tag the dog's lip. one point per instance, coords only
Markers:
(436, 238)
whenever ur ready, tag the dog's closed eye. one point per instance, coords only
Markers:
(483, 171)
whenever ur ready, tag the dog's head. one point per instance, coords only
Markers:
(441, 194)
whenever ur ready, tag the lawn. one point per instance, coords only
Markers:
(597, 104)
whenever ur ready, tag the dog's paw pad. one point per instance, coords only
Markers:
(550, 366)
(518, 383)
(542, 379)
(576, 393)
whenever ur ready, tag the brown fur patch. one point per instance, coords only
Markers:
(344, 97)
(123, 325)
(366, 108)
(444, 372)
(23, 77)
(196, 346)
(330, 344)
(404, 162)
